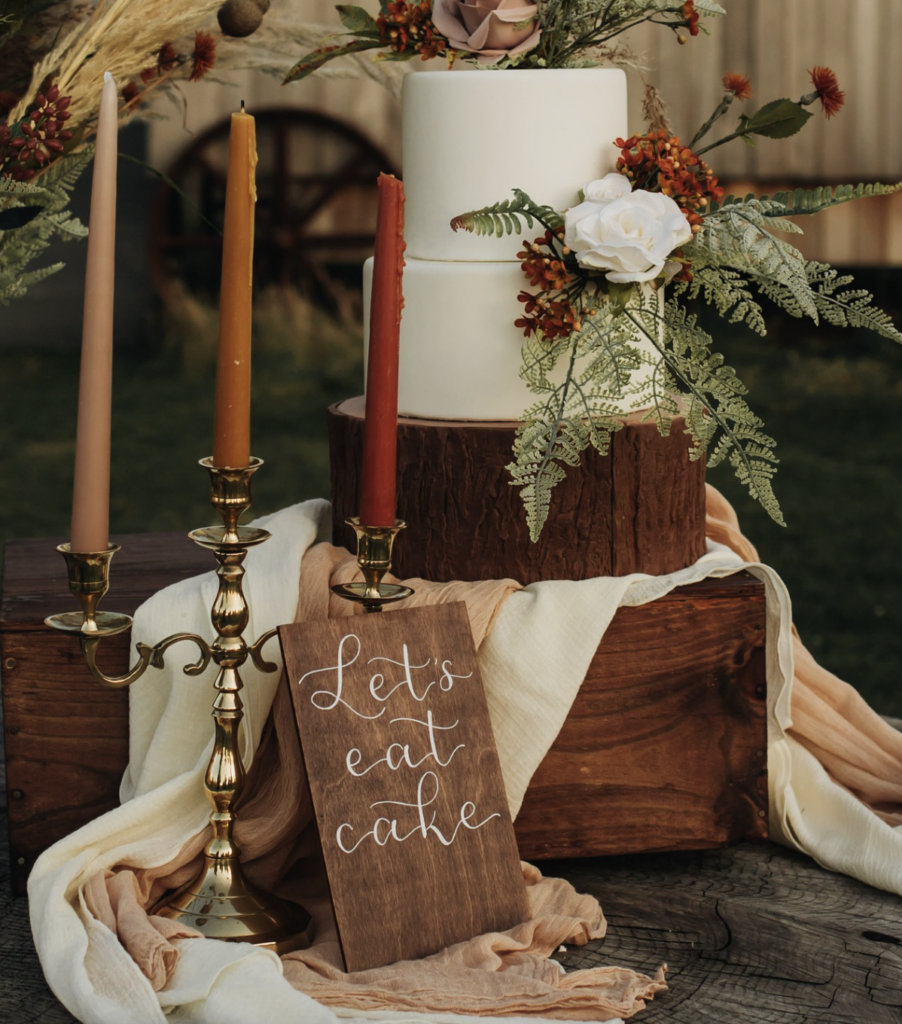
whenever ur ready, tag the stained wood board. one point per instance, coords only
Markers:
(405, 779)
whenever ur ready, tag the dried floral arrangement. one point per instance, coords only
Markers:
(505, 33)
(53, 54)
(594, 304)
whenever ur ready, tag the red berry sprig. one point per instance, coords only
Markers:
(40, 138)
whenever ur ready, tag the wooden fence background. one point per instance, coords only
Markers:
(774, 42)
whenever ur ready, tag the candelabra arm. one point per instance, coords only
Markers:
(147, 657)
(256, 649)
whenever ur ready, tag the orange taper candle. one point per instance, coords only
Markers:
(232, 425)
(377, 483)
(91, 494)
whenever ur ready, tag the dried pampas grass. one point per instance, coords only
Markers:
(284, 35)
(119, 36)
(84, 39)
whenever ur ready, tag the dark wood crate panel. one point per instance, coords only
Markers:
(641, 508)
(665, 747)
(661, 750)
(66, 737)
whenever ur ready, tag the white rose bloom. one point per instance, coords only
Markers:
(604, 190)
(631, 236)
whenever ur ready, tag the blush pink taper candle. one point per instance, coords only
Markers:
(91, 496)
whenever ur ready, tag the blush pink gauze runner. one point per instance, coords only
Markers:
(499, 974)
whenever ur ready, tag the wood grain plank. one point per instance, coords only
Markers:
(666, 741)
(66, 739)
(406, 784)
(751, 935)
(698, 778)
(35, 583)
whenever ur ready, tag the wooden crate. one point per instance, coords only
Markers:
(664, 749)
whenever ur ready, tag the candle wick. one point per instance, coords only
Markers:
(242, 106)
(107, 77)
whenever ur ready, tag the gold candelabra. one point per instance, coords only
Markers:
(220, 902)
(374, 553)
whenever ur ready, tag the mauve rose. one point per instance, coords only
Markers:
(629, 234)
(488, 27)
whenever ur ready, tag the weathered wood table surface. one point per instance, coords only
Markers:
(752, 935)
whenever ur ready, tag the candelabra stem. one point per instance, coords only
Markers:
(220, 901)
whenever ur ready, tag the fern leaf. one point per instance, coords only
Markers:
(715, 393)
(19, 188)
(803, 202)
(506, 217)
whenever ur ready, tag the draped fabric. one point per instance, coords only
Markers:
(835, 773)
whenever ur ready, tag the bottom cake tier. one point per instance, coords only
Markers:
(641, 508)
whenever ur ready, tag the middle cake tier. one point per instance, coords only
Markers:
(460, 350)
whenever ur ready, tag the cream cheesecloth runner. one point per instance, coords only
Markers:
(835, 775)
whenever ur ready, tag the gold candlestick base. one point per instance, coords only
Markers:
(219, 902)
(374, 551)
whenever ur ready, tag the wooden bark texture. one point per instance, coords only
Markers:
(662, 749)
(641, 508)
(751, 935)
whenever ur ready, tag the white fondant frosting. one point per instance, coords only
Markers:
(470, 137)
(460, 351)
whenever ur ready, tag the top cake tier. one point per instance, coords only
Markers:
(470, 137)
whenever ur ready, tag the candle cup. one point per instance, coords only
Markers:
(374, 554)
(89, 580)
(230, 495)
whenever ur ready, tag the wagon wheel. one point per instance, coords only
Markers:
(316, 206)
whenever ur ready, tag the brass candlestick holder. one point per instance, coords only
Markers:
(374, 551)
(219, 902)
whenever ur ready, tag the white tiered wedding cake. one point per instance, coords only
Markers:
(469, 138)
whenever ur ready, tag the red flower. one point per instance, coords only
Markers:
(166, 57)
(828, 91)
(42, 136)
(131, 92)
(737, 85)
(691, 15)
(204, 56)
(405, 27)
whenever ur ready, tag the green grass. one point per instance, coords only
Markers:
(832, 399)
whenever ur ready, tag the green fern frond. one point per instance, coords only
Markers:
(19, 188)
(20, 247)
(851, 308)
(716, 393)
(803, 202)
(505, 218)
(736, 239)
(728, 292)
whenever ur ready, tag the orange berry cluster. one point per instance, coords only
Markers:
(550, 309)
(658, 162)
(405, 27)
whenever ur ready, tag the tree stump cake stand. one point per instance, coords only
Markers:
(641, 508)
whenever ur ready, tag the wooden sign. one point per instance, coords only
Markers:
(407, 791)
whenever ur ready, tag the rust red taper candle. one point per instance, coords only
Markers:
(377, 478)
